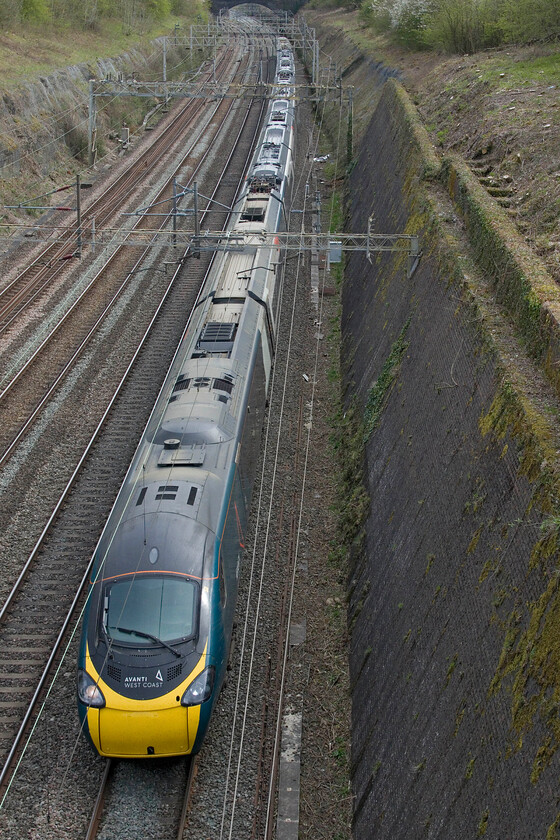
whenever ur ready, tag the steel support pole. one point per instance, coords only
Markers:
(91, 124)
(79, 215)
(196, 242)
(350, 136)
(165, 68)
(174, 212)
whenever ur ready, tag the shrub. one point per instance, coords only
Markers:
(464, 26)
(377, 15)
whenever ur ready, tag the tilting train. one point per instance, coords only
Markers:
(158, 622)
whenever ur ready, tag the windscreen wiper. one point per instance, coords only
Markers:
(149, 636)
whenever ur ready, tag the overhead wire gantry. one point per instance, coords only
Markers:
(211, 36)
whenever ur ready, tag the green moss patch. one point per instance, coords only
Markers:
(522, 284)
(383, 385)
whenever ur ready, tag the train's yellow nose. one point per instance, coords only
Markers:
(123, 733)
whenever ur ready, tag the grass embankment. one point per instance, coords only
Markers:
(44, 133)
(37, 50)
(497, 109)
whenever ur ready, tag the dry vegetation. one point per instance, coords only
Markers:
(499, 110)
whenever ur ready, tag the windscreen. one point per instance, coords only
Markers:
(164, 607)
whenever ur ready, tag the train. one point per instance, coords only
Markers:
(157, 626)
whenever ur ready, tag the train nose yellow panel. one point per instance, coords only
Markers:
(128, 734)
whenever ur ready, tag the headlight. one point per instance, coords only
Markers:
(88, 692)
(200, 689)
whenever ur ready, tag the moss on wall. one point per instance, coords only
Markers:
(521, 281)
(456, 597)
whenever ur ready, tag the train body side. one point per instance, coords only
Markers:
(158, 622)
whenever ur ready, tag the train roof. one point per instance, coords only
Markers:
(159, 542)
(177, 489)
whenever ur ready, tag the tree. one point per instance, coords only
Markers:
(530, 20)
(35, 10)
(377, 14)
(159, 9)
(10, 12)
(457, 25)
(409, 19)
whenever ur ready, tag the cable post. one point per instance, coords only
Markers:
(196, 242)
(174, 212)
(165, 67)
(91, 124)
(79, 215)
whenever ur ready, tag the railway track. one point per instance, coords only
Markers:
(42, 272)
(40, 382)
(242, 759)
(58, 353)
(39, 606)
(123, 782)
(23, 391)
(250, 796)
